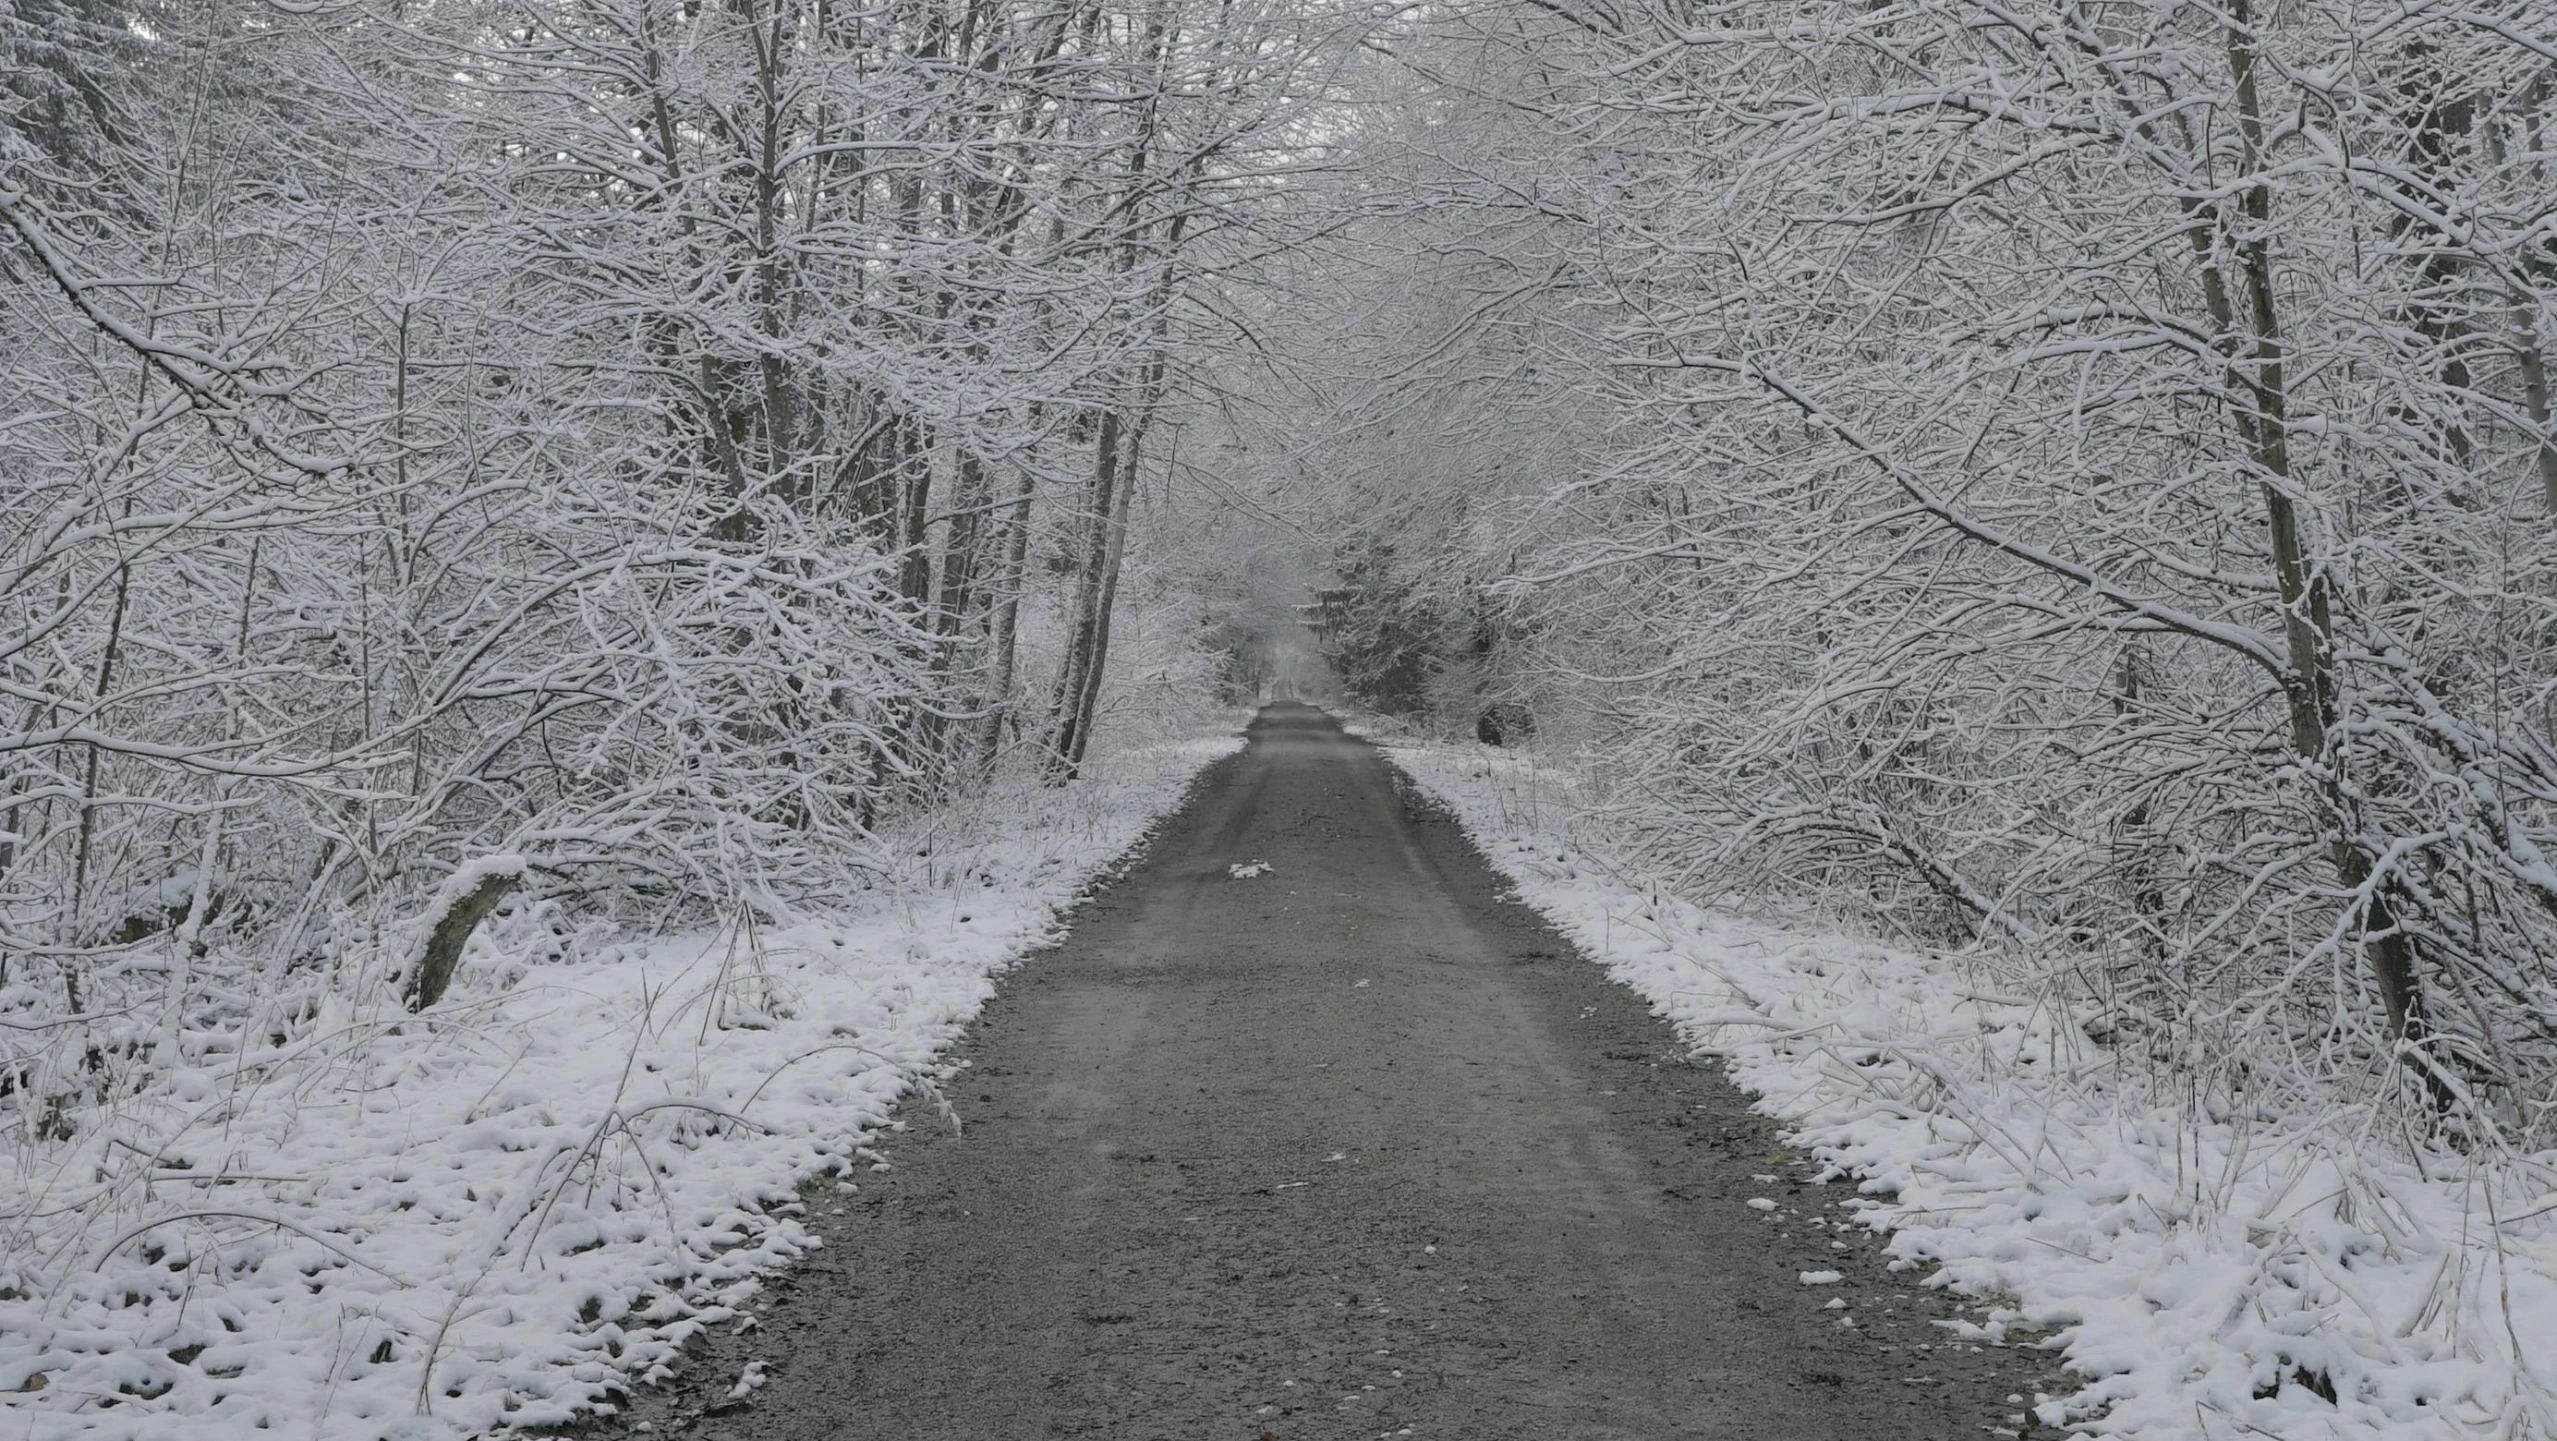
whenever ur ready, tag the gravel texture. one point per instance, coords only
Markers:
(1347, 1148)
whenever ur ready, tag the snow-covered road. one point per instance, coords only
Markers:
(1306, 1132)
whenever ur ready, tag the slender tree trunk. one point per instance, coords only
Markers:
(1114, 552)
(913, 479)
(957, 605)
(1004, 642)
(2255, 346)
(84, 847)
(1082, 659)
(2530, 353)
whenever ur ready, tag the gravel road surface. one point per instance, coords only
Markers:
(1347, 1148)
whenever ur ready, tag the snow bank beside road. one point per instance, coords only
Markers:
(350, 1222)
(2251, 1276)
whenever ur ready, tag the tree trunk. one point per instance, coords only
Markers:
(1114, 549)
(1079, 675)
(2255, 347)
(452, 931)
(956, 606)
(2530, 353)
(1004, 642)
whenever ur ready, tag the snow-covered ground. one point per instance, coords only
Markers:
(360, 1223)
(2287, 1276)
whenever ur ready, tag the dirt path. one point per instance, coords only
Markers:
(1346, 1149)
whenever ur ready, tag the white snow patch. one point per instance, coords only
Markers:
(355, 1222)
(1248, 870)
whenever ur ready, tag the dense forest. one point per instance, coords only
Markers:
(2071, 480)
(645, 439)
(2070, 484)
